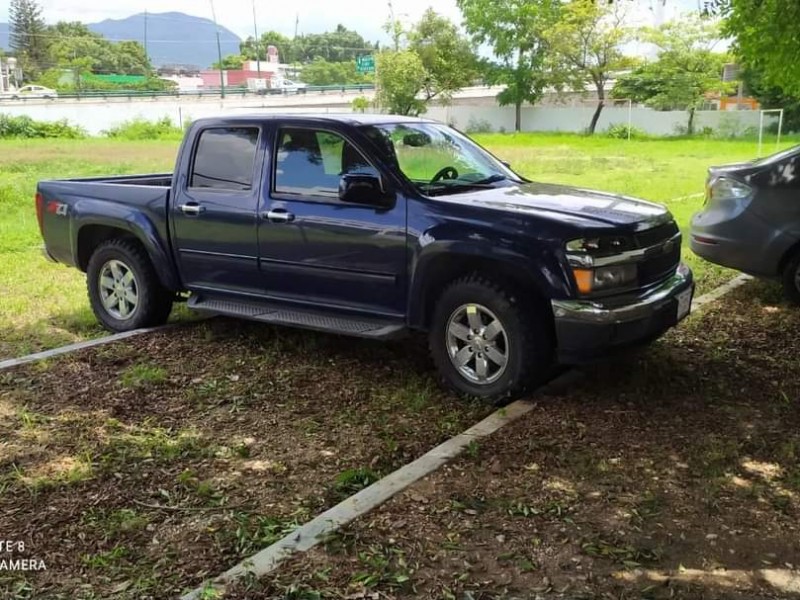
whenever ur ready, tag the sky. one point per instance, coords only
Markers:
(315, 16)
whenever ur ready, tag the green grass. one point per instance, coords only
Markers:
(43, 305)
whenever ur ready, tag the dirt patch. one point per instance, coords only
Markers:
(136, 470)
(671, 473)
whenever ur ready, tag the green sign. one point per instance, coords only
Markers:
(365, 63)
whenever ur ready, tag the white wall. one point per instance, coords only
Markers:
(577, 119)
(96, 117)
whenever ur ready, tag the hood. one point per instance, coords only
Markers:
(585, 207)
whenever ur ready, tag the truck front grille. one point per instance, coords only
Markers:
(659, 267)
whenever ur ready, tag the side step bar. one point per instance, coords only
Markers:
(305, 319)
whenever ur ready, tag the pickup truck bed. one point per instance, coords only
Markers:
(375, 226)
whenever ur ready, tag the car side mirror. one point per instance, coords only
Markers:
(362, 189)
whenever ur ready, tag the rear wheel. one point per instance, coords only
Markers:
(791, 279)
(124, 290)
(487, 342)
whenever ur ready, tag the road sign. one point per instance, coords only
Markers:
(365, 63)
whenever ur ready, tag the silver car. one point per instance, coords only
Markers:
(751, 219)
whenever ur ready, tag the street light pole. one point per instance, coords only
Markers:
(258, 51)
(219, 51)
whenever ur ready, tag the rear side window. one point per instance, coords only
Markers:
(224, 159)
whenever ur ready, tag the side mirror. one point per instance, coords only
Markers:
(362, 189)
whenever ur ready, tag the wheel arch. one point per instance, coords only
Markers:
(91, 235)
(434, 274)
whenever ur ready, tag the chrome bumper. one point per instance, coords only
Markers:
(622, 310)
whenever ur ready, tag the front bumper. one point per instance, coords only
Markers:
(589, 329)
(47, 255)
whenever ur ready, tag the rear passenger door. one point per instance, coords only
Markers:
(319, 250)
(214, 212)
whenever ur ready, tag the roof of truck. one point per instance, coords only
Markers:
(349, 118)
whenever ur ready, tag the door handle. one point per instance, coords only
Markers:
(279, 215)
(192, 209)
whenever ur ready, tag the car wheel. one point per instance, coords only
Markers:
(124, 289)
(487, 342)
(791, 279)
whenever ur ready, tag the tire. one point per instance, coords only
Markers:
(525, 339)
(791, 279)
(127, 271)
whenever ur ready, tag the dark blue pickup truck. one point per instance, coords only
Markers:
(375, 226)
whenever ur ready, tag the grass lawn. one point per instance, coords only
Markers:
(44, 305)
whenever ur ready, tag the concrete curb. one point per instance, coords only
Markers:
(312, 533)
(15, 362)
(699, 304)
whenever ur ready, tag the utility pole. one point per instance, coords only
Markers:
(146, 55)
(219, 51)
(258, 50)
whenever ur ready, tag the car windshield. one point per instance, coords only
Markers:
(438, 159)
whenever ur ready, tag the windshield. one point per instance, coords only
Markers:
(437, 159)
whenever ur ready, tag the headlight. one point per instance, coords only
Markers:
(724, 188)
(604, 278)
(599, 245)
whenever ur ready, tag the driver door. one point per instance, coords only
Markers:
(316, 249)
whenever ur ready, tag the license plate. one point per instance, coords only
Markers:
(684, 303)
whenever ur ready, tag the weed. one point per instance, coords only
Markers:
(113, 523)
(251, 533)
(619, 552)
(140, 375)
(352, 481)
(106, 559)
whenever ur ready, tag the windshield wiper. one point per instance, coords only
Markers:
(492, 179)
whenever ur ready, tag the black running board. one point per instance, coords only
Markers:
(305, 319)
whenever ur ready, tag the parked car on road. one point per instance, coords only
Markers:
(751, 219)
(375, 226)
(34, 91)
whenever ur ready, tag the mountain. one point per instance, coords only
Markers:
(172, 37)
(4, 29)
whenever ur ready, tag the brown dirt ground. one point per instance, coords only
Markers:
(136, 470)
(672, 473)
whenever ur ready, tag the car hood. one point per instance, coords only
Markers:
(581, 206)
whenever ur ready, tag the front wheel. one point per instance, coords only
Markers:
(791, 279)
(489, 343)
(124, 289)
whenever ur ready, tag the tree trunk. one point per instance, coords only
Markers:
(596, 116)
(601, 97)
(518, 117)
(690, 126)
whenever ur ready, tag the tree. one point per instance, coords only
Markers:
(253, 51)
(586, 47)
(767, 38)
(447, 56)
(401, 75)
(28, 40)
(322, 72)
(73, 45)
(686, 68)
(232, 62)
(516, 31)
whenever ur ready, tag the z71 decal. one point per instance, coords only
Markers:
(57, 208)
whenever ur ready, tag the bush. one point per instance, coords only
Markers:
(477, 125)
(360, 104)
(26, 127)
(620, 132)
(142, 129)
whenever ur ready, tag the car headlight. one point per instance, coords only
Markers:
(724, 188)
(605, 278)
(599, 245)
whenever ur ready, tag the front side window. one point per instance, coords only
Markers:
(438, 159)
(224, 159)
(312, 162)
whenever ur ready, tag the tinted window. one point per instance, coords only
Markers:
(224, 159)
(311, 162)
